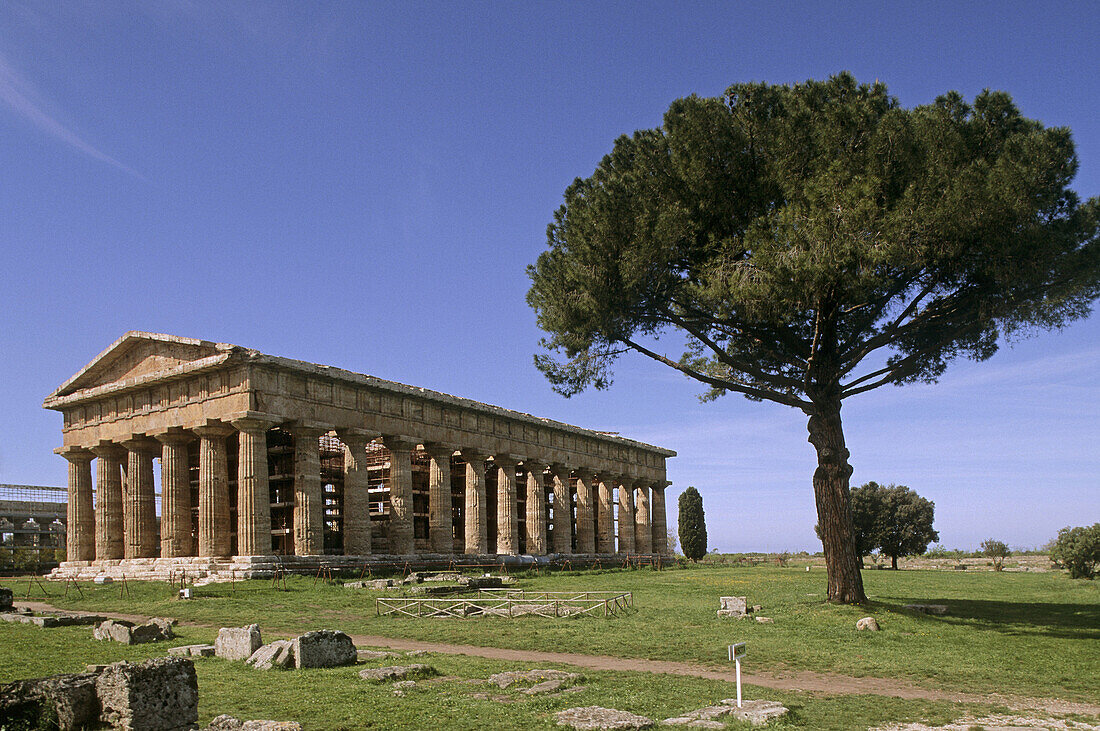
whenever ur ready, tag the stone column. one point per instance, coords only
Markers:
(536, 508)
(108, 504)
(643, 530)
(660, 527)
(175, 490)
(507, 520)
(477, 529)
(401, 499)
(356, 510)
(440, 516)
(586, 519)
(563, 510)
(626, 515)
(79, 513)
(605, 516)
(253, 487)
(214, 525)
(139, 516)
(309, 506)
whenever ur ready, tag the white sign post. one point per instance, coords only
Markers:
(737, 651)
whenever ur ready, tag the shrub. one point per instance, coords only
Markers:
(1078, 551)
(997, 550)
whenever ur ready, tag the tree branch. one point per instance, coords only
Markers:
(776, 396)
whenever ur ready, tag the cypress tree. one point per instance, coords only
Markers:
(693, 527)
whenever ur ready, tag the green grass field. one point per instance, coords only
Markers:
(1024, 633)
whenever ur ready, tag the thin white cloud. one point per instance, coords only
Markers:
(20, 96)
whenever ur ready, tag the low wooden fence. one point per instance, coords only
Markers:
(512, 603)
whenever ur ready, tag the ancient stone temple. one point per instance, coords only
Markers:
(268, 461)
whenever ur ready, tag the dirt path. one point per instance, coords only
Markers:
(796, 680)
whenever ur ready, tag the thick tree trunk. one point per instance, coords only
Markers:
(894, 563)
(834, 512)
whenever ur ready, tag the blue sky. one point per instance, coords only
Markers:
(363, 184)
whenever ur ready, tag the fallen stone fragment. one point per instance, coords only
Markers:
(6, 598)
(546, 686)
(397, 672)
(504, 680)
(129, 633)
(161, 694)
(277, 654)
(732, 606)
(62, 701)
(192, 651)
(324, 648)
(764, 620)
(237, 643)
(103, 580)
(757, 713)
(586, 718)
(868, 623)
(229, 723)
(927, 608)
(115, 629)
(376, 654)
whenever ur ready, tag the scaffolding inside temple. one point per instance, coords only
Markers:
(32, 526)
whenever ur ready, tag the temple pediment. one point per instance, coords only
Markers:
(138, 355)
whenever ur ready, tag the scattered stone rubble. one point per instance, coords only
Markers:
(129, 633)
(757, 713)
(51, 619)
(868, 623)
(192, 651)
(588, 718)
(460, 582)
(229, 723)
(738, 608)
(158, 695)
(376, 654)
(393, 673)
(541, 681)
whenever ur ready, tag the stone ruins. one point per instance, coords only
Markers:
(268, 462)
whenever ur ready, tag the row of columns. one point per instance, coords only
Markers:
(112, 529)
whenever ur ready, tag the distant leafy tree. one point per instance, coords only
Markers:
(673, 541)
(891, 519)
(996, 550)
(1078, 551)
(692, 523)
(811, 242)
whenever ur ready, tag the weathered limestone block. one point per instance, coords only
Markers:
(62, 701)
(397, 672)
(594, 717)
(128, 633)
(237, 643)
(161, 694)
(867, 623)
(5, 598)
(733, 606)
(323, 648)
(192, 651)
(117, 630)
(277, 654)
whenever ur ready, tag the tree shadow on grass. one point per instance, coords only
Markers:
(1071, 621)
